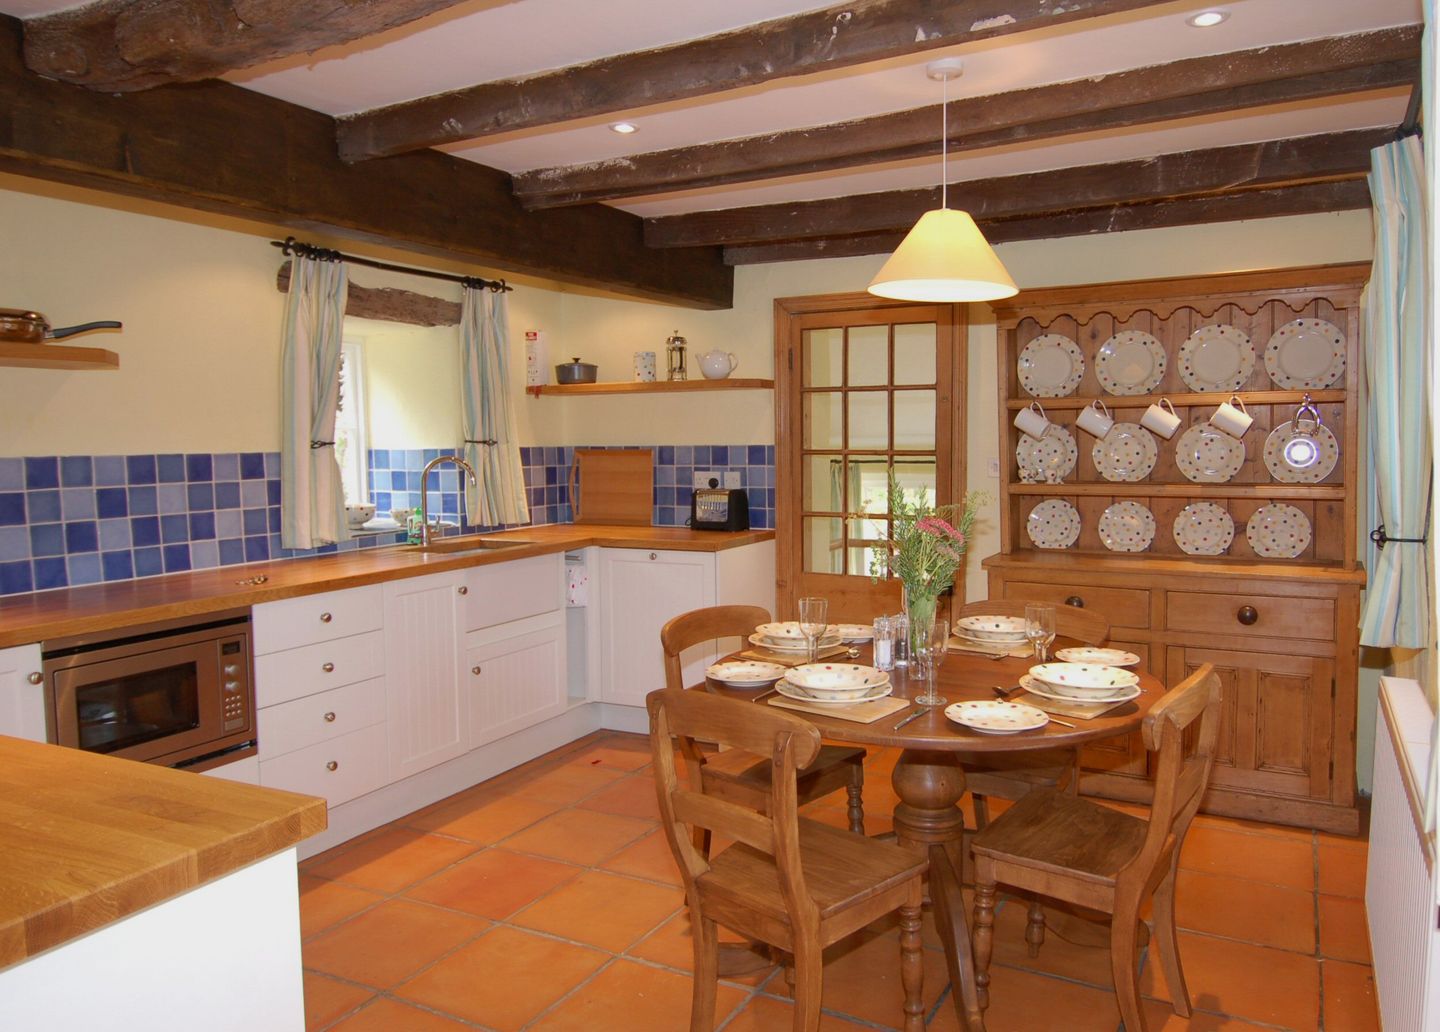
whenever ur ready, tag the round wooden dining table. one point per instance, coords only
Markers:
(929, 778)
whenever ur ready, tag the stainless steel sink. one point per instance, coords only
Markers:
(462, 545)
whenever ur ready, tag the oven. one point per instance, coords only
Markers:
(177, 693)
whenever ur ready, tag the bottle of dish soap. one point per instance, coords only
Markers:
(413, 526)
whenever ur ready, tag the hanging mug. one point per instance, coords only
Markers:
(1032, 420)
(1095, 419)
(1160, 419)
(1232, 418)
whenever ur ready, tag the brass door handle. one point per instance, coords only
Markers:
(1247, 615)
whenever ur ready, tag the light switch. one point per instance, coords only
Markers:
(992, 467)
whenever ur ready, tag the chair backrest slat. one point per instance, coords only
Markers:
(724, 818)
(1080, 625)
(701, 625)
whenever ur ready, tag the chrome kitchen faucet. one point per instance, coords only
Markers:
(425, 491)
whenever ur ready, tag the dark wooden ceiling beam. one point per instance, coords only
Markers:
(1304, 199)
(120, 45)
(220, 148)
(816, 41)
(1182, 89)
(1166, 176)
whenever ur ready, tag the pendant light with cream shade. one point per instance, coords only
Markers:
(944, 257)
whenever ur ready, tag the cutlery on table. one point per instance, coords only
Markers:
(1005, 693)
(919, 712)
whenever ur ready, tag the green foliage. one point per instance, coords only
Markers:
(927, 541)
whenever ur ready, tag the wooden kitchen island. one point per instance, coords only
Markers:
(134, 896)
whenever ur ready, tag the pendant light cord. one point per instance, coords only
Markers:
(945, 142)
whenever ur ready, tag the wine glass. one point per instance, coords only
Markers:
(813, 614)
(1040, 628)
(932, 654)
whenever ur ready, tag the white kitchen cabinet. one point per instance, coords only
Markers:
(641, 590)
(22, 703)
(424, 654)
(514, 681)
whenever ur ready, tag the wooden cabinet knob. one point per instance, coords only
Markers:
(330, 717)
(1076, 601)
(463, 590)
(1247, 615)
(36, 677)
(329, 668)
(332, 765)
(325, 618)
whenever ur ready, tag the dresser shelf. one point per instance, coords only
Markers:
(1147, 490)
(658, 387)
(57, 356)
(1144, 401)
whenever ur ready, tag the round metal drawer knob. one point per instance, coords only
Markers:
(463, 590)
(330, 717)
(329, 668)
(1247, 615)
(332, 765)
(1076, 601)
(654, 556)
(36, 677)
(325, 617)
(475, 670)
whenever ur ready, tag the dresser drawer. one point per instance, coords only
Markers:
(502, 592)
(293, 622)
(1123, 607)
(295, 673)
(1274, 616)
(349, 766)
(320, 717)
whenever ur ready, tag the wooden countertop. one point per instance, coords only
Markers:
(100, 607)
(86, 839)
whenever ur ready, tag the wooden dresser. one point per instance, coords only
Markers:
(1281, 630)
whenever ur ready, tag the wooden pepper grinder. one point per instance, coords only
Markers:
(675, 357)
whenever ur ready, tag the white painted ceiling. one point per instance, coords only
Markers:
(485, 40)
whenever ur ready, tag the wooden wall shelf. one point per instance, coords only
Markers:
(57, 356)
(658, 387)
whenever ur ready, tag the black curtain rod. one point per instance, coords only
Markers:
(290, 246)
(1410, 125)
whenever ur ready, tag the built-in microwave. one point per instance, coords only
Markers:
(177, 693)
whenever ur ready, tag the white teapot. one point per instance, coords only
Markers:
(717, 364)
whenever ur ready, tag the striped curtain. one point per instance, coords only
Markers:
(312, 497)
(491, 444)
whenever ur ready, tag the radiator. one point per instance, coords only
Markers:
(1400, 886)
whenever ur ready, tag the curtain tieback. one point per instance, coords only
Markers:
(321, 444)
(1382, 539)
(490, 441)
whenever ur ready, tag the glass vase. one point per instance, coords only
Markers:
(920, 616)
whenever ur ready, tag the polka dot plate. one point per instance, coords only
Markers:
(1203, 528)
(1278, 531)
(1051, 366)
(1054, 523)
(1306, 354)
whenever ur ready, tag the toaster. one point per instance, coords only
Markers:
(719, 509)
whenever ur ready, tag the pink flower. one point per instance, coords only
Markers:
(937, 527)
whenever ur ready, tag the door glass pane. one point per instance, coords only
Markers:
(869, 356)
(869, 426)
(822, 544)
(867, 484)
(822, 350)
(917, 474)
(914, 420)
(823, 489)
(915, 353)
(822, 420)
(866, 559)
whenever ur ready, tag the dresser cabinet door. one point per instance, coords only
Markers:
(1276, 719)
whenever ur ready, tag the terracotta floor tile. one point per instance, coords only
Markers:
(1354, 843)
(393, 860)
(767, 1014)
(1350, 1001)
(622, 752)
(1342, 871)
(1263, 858)
(1161, 1017)
(504, 978)
(579, 836)
(567, 784)
(649, 858)
(391, 1016)
(326, 999)
(325, 903)
(862, 978)
(602, 909)
(1252, 911)
(671, 945)
(1021, 1001)
(389, 943)
(1089, 964)
(627, 997)
(494, 883)
(1257, 983)
(1239, 824)
(631, 797)
(486, 821)
(1344, 932)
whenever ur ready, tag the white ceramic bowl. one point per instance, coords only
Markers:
(789, 631)
(992, 628)
(359, 514)
(835, 677)
(1081, 680)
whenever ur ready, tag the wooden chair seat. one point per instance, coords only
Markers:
(1012, 775)
(1050, 831)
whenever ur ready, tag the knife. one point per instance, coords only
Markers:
(913, 716)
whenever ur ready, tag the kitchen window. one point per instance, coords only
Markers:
(351, 446)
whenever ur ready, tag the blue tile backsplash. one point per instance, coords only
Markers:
(72, 520)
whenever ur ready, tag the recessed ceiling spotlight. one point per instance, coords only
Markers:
(624, 128)
(1207, 19)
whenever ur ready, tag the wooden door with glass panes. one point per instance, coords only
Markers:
(863, 387)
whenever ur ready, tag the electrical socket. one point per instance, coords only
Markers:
(732, 478)
(723, 478)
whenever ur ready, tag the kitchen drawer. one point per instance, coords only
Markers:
(320, 717)
(295, 673)
(502, 592)
(292, 622)
(349, 766)
(1123, 607)
(1276, 616)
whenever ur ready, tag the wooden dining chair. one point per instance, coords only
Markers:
(737, 776)
(1071, 849)
(794, 883)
